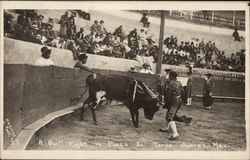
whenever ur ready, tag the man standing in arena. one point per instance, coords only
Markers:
(207, 92)
(189, 88)
(173, 104)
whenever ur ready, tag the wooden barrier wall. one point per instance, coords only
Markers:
(31, 92)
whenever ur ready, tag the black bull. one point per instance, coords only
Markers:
(120, 88)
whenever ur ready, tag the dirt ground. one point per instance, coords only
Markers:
(222, 128)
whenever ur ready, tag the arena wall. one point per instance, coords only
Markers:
(31, 92)
(20, 52)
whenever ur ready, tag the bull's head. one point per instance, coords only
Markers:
(150, 109)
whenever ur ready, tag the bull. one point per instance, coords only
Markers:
(134, 94)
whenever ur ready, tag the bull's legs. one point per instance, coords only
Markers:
(82, 111)
(132, 116)
(135, 118)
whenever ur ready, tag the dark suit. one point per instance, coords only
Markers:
(207, 98)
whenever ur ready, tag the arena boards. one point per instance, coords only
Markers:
(39, 98)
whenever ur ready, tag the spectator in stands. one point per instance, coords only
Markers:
(208, 91)
(201, 54)
(95, 28)
(51, 22)
(72, 46)
(116, 40)
(71, 19)
(120, 32)
(71, 27)
(63, 31)
(117, 51)
(146, 69)
(133, 35)
(40, 21)
(34, 36)
(63, 25)
(142, 39)
(79, 36)
(23, 20)
(236, 35)
(90, 38)
(81, 41)
(242, 56)
(107, 50)
(167, 42)
(82, 60)
(64, 18)
(102, 28)
(8, 24)
(50, 34)
(44, 60)
(71, 30)
(144, 20)
(196, 43)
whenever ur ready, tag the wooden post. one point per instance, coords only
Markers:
(161, 36)
(212, 16)
(191, 15)
(234, 19)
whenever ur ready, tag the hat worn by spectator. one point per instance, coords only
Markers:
(82, 56)
(40, 16)
(9, 16)
(167, 70)
(208, 74)
(145, 64)
(101, 21)
(45, 50)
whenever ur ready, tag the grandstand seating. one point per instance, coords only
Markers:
(223, 41)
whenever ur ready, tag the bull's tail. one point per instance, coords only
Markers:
(81, 95)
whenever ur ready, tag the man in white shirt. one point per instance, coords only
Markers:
(146, 69)
(44, 59)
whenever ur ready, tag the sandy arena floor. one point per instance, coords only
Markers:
(222, 128)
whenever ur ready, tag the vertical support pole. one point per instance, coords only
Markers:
(212, 16)
(170, 13)
(159, 56)
(191, 15)
(234, 19)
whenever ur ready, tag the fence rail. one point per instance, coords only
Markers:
(200, 18)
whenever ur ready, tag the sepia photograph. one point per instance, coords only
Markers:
(128, 79)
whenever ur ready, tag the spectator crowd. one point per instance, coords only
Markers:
(31, 27)
(199, 54)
